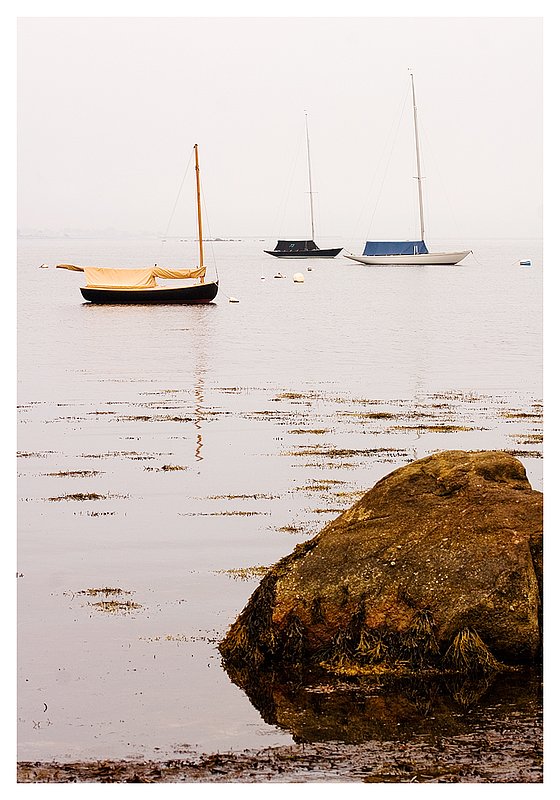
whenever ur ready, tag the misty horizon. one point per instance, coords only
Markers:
(109, 108)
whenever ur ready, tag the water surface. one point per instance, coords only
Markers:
(171, 453)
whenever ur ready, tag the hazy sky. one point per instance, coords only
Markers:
(109, 108)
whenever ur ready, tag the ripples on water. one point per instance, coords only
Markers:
(171, 453)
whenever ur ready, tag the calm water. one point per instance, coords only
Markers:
(169, 451)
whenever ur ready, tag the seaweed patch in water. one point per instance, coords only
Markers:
(312, 431)
(372, 414)
(528, 438)
(524, 453)
(135, 456)
(166, 468)
(43, 454)
(323, 485)
(255, 496)
(329, 465)
(80, 497)
(114, 606)
(333, 452)
(154, 418)
(224, 513)
(99, 513)
(245, 573)
(297, 396)
(292, 529)
(75, 473)
(239, 514)
(170, 637)
(351, 495)
(520, 415)
(106, 591)
(437, 428)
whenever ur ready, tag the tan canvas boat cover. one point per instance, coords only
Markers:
(145, 278)
(129, 278)
(181, 274)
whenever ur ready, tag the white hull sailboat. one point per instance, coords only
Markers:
(413, 259)
(408, 253)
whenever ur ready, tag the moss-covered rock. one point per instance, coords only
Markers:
(437, 567)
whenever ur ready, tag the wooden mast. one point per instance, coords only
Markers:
(419, 176)
(198, 208)
(310, 186)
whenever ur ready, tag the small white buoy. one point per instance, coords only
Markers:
(298, 278)
(310, 269)
(233, 300)
(262, 277)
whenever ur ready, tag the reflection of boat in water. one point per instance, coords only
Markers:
(134, 286)
(408, 252)
(304, 248)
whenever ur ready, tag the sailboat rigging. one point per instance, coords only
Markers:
(291, 248)
(409, 252)
(133, 286)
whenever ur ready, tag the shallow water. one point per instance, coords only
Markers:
(169, 452)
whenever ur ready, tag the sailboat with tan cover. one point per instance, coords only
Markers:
(132, 286)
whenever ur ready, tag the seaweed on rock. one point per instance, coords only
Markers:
(467, 653)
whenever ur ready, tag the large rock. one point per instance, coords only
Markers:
(438, 567)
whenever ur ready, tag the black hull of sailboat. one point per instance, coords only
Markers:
(306, 253)
(182, 295)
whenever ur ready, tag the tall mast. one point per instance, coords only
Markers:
(309, 173)
(419, 176)
(199, 212)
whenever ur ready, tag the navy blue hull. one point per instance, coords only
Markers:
(305, 253)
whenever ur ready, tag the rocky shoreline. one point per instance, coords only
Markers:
(399, 738)
(483, 756)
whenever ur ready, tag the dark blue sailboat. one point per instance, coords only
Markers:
(301, 249)
(304, 248)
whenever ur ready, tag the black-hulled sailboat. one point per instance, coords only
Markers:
(138, 286)
(304, 248)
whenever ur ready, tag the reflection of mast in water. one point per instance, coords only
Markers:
(200, 368)
(199, 410)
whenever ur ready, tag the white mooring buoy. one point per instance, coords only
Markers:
(298, 278)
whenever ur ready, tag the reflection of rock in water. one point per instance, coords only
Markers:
(388, 710)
